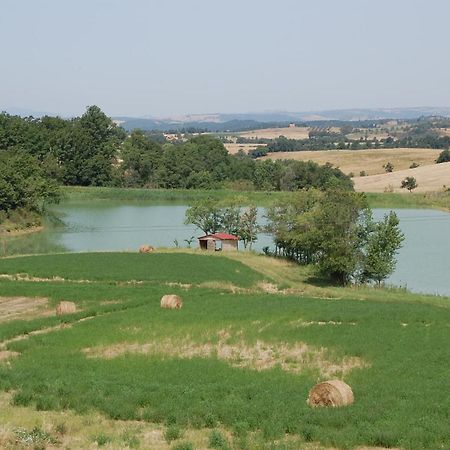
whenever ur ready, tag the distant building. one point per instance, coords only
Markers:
(218, 242)
(292, 125)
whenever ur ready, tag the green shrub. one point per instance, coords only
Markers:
(172, 433)
(102, 439)
(183, 446)
(217, 440)
(443, 157)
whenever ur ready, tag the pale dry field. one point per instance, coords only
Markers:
(371, 161)
(273, 133)
(443, 131)
(429, 179)
(370, 134)
(234, 148)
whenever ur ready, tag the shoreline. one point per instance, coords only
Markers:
(21, 232)
(428, 200)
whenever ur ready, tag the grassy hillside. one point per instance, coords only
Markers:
(234, 363)
(432, 178)
(370, 161)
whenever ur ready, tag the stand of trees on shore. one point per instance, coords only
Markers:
(334, 231)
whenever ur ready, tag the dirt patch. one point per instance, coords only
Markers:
(180, 285)
(6, 354)
(300, 323)
(270, 288)
(12, 308)
(260, 355)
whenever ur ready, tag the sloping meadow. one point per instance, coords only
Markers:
(244, 361)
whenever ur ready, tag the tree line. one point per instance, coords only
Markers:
(93, 151)
(335, 141)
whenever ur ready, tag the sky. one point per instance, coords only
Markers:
(170, 57)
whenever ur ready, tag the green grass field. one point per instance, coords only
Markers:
(437, 200)
(231, 369)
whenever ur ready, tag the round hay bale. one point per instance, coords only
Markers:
(330, 393)
(146, 249)
(65, 308)
(171, 302)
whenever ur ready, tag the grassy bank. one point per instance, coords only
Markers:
(435, 200)
(239, 358)
(19, 221)
(376, 200)
(165, 195)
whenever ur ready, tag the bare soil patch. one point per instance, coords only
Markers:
(12, 308)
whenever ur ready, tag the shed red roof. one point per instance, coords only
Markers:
(221, 237)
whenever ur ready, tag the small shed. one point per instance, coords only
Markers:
(218, 242)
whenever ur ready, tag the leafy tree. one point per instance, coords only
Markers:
(342, 226)
(382, 246)
(230, 219)
(291, 223)
(409, 183)
(388, 167)
(248, 226)
(140, 159)
(87, 150)
(24, 184)
(266, 175)
(206, 215)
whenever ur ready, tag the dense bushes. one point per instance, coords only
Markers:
(24, 189)
(444, 157)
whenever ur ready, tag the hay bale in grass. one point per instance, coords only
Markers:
(171, 302)
(330, 393)
(146, 249)
(65, 308)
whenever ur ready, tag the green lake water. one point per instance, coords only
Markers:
(423, 262)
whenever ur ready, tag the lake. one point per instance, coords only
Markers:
(423, 262)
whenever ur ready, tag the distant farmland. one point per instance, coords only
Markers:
(370, 161)
(234, 148)
(273, 133)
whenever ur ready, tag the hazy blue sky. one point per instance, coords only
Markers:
(141, 57)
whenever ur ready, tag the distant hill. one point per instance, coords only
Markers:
(246, 121)
(217, 122)
(234, 125)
